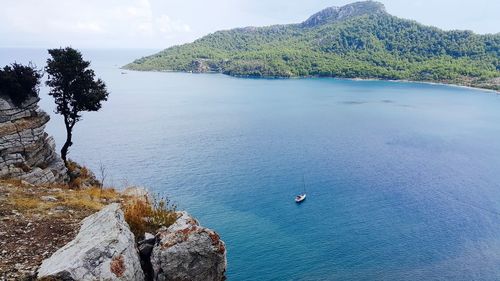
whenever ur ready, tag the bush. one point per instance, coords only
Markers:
(19, 82)
(148, 215)
(80, 176)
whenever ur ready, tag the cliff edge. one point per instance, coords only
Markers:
(27, 152)
(105, 249)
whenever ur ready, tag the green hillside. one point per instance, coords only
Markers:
(360, 40)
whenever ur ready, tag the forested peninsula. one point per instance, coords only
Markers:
(359, 40)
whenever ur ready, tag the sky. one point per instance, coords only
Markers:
(157, 24)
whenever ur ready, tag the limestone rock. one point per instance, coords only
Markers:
(199, 66)
(148, 236)
(137, 192)
(26, 151)
(48, 198)
(334, 14)
(104, 249)
(188, 251)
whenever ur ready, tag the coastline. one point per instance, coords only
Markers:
(430, 83)
(437, 83)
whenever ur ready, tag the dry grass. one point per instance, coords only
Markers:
(25, 203)
(149, 215)
(103, 193)
(28, 198)
(135, 214)
(142, 214)
(13, 182)
(93, 198)
(85, 178)
(35, 221)
(49, 216)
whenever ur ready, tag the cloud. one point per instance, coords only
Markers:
(162, 23)
(89, 27)
(165, 24)
(86, 22)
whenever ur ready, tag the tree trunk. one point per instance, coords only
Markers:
(67, 144)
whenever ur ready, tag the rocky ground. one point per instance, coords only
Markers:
(36, 221)
(58, 232)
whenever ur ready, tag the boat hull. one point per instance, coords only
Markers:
(300, 198)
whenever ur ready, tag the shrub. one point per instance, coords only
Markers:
(80, 176)
(19, 82)
(148, 215)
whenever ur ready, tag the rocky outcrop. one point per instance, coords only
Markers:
(188, 251)
(199, 66)
(26, 150)
(104, 249)
(333, 14)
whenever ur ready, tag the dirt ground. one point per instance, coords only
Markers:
(36, 221)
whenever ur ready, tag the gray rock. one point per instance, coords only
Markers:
(188, 251)
(104, 249)
(335, 14)
(137, 192)
(26, 151)
(60, 209)
(199, 66)
(48, 198)
(148, 236)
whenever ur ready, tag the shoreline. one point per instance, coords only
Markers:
(436, 83)
(430, 83)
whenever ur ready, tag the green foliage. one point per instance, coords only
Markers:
(72, 84)
(368, 46)
(73, 88)
(19, 82)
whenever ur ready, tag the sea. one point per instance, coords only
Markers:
(402, 179)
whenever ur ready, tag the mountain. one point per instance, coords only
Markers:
(335, 14)
(359, 40)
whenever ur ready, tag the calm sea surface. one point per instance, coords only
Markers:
(403, 179)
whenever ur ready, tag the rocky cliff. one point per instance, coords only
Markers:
(26, 150)
(105, 249)
(334, 14)
(188, 251)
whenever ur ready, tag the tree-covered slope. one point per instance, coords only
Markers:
(359, 40)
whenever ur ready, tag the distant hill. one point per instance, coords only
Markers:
(359, 40)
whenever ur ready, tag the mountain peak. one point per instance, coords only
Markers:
(333, 14)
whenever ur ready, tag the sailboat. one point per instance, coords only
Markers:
(301, 197)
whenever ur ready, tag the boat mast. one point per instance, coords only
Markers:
(303, 184)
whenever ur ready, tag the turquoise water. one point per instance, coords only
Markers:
(403, 179)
